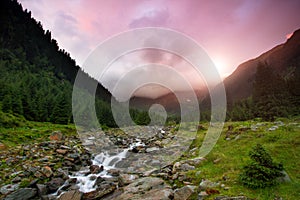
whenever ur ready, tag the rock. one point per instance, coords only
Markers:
(56, 136)
(47, 171)
(2, 146)
(284, 178)
(144, 184)
(138, 149)
(101, 191)
(98, 181)
(114, 172)
(71, 195)
(179, 166)
(6, 189)
(195, 161)
(202, 195)
(125, 179)
(41, 189)
(184, 193)
(22, 194)
(151, 149)
(147, 188)
(16, 179)
(95, 169)
(54, 184)
(207, 184)
(273, 128)
(158, 194)
(62, 151)
(38, 174)
(217, 160)
(33, 183)
(150, 172)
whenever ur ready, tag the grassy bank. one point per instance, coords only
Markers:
(224, 163)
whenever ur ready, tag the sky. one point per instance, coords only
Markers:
(230, 31)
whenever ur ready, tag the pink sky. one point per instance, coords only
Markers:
(230, 31)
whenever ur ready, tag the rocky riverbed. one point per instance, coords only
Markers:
(104, 165)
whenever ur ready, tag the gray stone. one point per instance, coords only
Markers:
(207, 184)
(101, 191)
(179, 166)
(147, 188)
(16, 179)
(202, 195)
(184, 193)
(125, 179)
(9, 188)
(71, 195)
(22, 194)
(151, 149)
(41, 189)
(54, 184)
(285, 177)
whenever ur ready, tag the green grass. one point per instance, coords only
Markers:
(283, 144)
(32, 132)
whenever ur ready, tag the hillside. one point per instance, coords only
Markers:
(284, 60)
(36, 75)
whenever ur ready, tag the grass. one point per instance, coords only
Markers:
(283, 144)
(32, 132)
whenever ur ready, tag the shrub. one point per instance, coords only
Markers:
(261, 172)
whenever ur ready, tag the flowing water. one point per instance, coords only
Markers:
(87, 181)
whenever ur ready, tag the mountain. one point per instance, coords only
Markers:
(37, 76)
(284, 59)
(168, 101)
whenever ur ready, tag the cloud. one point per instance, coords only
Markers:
(65, 24)
(151, 18)
(232, 30)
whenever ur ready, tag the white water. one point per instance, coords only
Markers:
(103, 159)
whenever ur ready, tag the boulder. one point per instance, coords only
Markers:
(147, 188)
(71, 195)
(181, 166)
(54, 184)
(22, 194)
(47, 171)
(6, 189)
(205, 184)
(62, 151)
(184, 193)
(56, 136)
(100, 192)
(95, 169)
(41, 189)
(125, 179)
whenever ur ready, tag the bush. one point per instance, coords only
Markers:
(261, 172)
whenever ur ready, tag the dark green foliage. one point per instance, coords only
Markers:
(261, 172)
(270, 95)
(61, 111)
(37, 77)
(10, 121)
(142, 118)
(241, 111)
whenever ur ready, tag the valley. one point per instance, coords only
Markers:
(55, 154)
